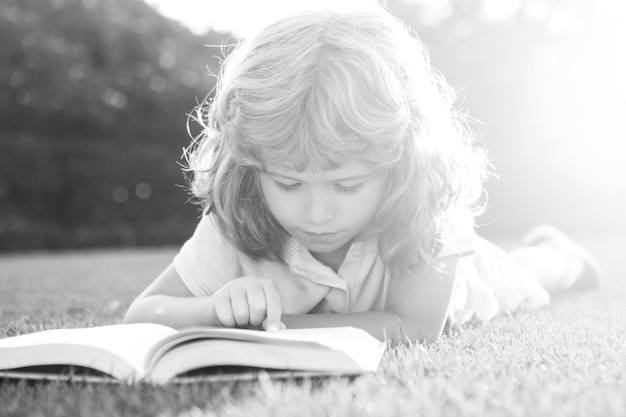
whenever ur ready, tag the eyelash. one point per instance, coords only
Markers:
(353, 189)
(287, 187)
(348, 189)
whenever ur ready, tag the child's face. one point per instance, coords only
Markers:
(324, 210)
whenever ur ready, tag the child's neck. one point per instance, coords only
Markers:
(333, 259)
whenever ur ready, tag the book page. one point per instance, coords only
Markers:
(209, 353)
(118, 350)
(365, 350)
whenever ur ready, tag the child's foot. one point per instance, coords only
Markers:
(589, 272)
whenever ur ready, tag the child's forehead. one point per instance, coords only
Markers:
(348, 169)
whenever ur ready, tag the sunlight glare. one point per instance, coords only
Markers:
(227, 16)
(498, 10)
(577, 94)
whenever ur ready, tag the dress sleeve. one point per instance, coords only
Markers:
(207, 261)
(459, 237)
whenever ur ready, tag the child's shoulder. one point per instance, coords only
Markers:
(207, 233)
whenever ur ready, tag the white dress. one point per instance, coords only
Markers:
(488, 279)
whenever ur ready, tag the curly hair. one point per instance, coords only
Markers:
(316, 89)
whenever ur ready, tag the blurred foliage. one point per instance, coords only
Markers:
(94, 103)
(95, 96)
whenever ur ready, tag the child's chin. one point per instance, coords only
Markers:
(325, 247)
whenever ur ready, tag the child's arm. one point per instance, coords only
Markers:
(416, 308)
(243, 302)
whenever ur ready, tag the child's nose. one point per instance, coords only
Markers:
(318, 207)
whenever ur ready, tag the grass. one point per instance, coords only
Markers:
(566, 360)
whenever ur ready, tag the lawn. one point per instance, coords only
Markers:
(565, 360)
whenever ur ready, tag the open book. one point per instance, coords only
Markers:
(158, 354)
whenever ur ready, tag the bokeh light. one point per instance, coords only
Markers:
(240, 17)
(143, 191)
(120, 194)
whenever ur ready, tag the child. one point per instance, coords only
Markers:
(340, 188)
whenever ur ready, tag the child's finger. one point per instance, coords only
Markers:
(223, 312)
(239, 307)
(264, 325)
(257, 306)
(273, 306)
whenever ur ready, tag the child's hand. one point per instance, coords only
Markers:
(248, 301)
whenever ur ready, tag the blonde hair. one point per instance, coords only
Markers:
(316, 89)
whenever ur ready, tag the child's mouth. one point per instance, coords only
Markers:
(320, 237)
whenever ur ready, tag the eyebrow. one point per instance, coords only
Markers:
(349, 178)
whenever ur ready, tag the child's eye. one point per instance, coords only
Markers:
(348, 189)
(287, 187)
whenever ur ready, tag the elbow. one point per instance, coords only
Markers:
(431, 337)
(427, 336)
(417, 331)
(435, 331)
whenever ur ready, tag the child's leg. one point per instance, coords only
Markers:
(556, 261)
(548, 265)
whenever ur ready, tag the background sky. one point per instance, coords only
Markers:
(244, 17)
(240, 17)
